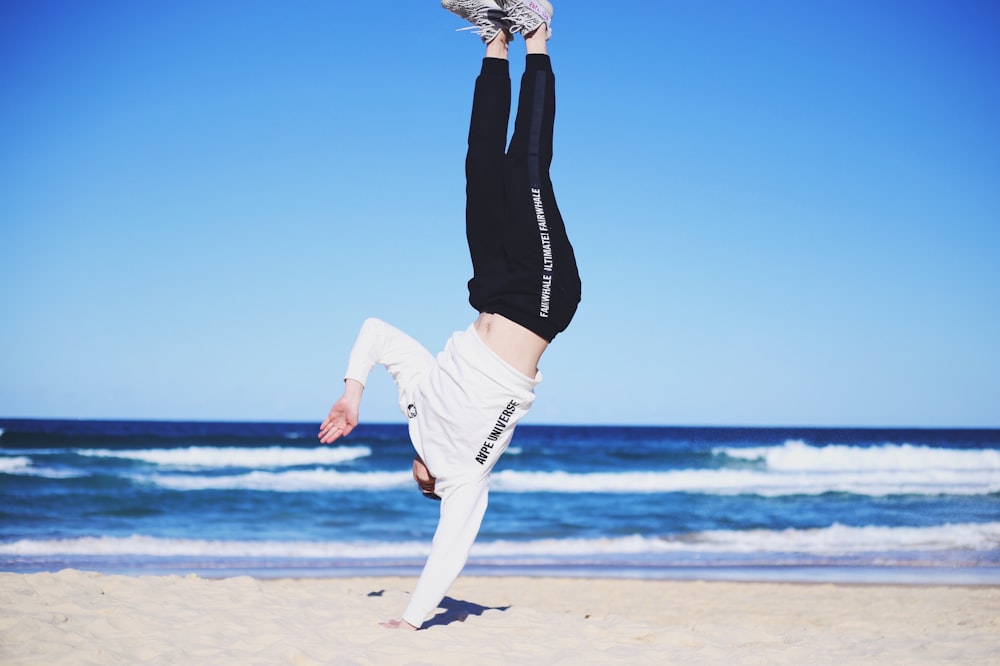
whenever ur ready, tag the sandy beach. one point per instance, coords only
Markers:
(74, 617)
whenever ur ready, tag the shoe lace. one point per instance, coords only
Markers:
(484, 23)
(520, 16)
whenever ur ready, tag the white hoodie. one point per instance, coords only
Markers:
(462, 408)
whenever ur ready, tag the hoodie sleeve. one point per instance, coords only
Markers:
(378, 343)
(462, 511)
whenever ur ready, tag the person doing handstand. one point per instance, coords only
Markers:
(463, 405)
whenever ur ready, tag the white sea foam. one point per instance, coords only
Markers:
(836, 540)
(25, 466)
(159, 547)
(752, 482)
(50, 473)
(294, 481)
(250, 458)
(15, 465)
(843, 540)
(797, 456)
(705, 481)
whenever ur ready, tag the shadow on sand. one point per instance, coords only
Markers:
(457, 611)
(454, 610)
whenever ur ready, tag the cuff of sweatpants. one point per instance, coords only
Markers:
(496, 67)
(540, 61)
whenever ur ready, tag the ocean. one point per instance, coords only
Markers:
(221, 499)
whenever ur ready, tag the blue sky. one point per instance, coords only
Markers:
(785, 213)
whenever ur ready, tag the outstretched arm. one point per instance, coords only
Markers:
(462, 510)
(377, 344)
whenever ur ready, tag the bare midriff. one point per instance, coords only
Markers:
(519, 346)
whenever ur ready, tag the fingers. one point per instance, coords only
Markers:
(397, 624)
(333, 429)
(339, 422)
(328, 437)
(330, 432)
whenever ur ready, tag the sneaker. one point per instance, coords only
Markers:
(485, 16)
(525, 16)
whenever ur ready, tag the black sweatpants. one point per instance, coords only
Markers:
(522, 261)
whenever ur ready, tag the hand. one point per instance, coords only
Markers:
(425, 480)
(397, 624)
(343, 416)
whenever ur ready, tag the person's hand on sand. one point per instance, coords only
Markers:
(397, 624)
(343, 416)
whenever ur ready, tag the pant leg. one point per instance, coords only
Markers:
(543, 287)
(485, 209)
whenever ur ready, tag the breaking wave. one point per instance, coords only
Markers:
(247, 457)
